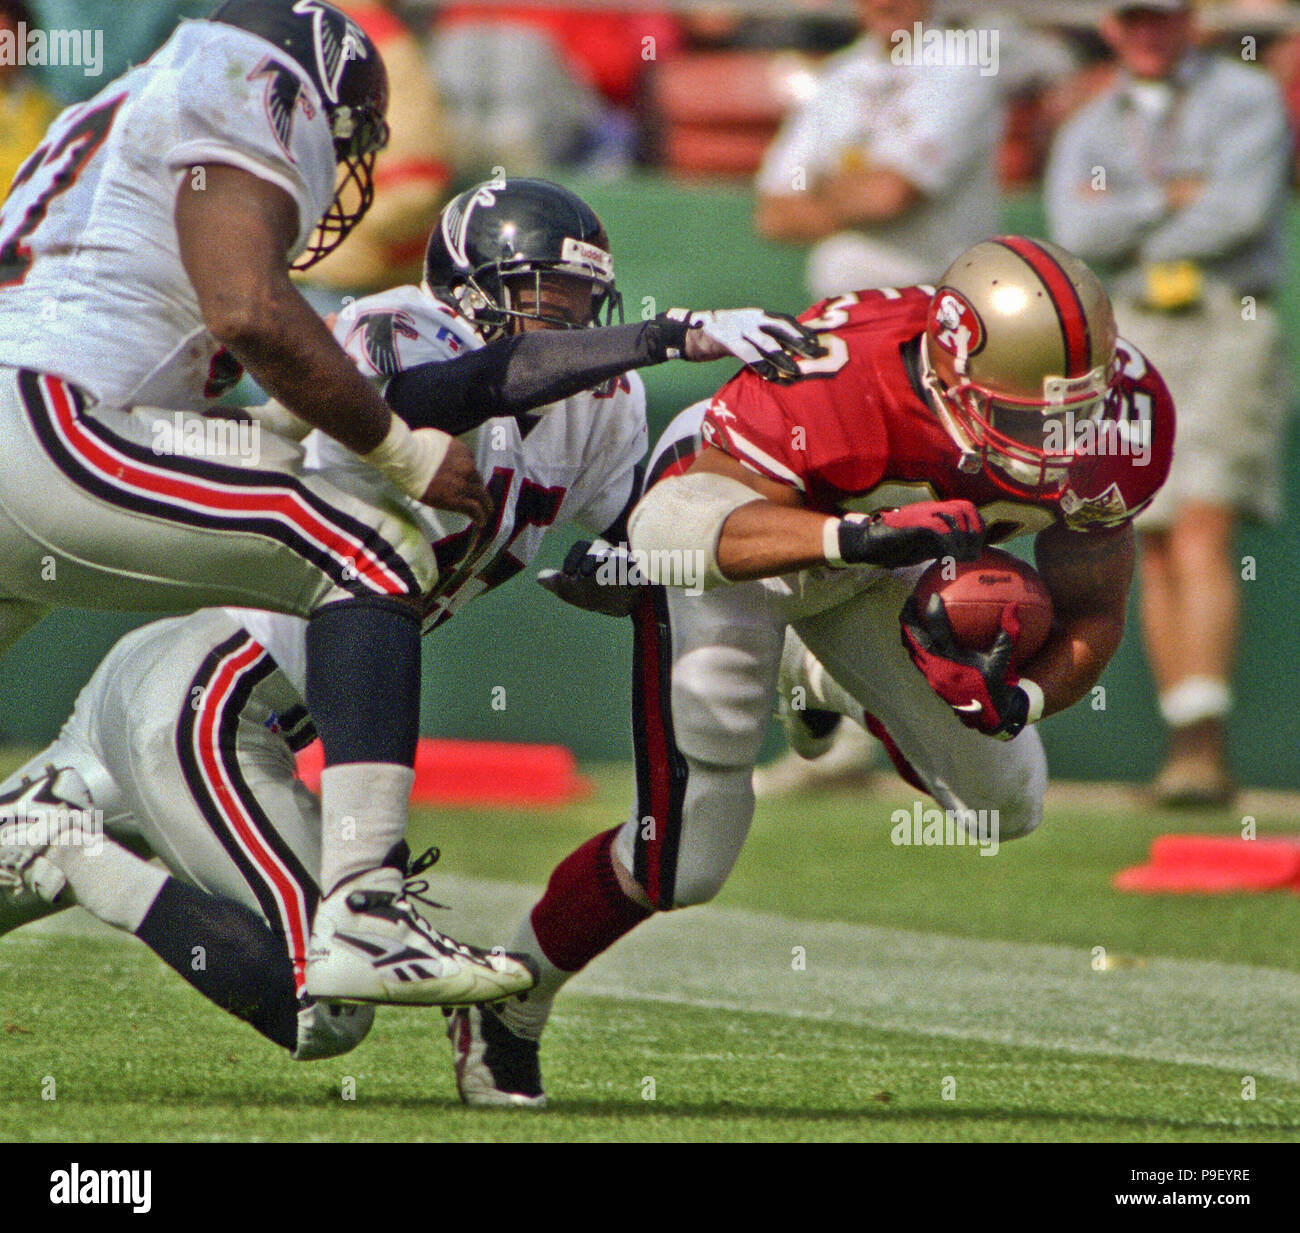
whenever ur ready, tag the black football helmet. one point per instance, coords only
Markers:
(345, 67)
(500, 232)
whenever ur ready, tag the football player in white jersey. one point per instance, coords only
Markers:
(203, 775)
(144, 257)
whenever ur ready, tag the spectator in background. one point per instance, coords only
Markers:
(532, 87)
(411, 174)
(887, 170)
(1177, 178)
(728, 26)
(25, 109)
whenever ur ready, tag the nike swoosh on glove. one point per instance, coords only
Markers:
(769, 343)
(980, 686)
(597, 577)
(894, 538)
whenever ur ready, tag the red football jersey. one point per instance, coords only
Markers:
(855, 435)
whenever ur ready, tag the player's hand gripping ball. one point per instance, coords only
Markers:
(975, 595)
(974, 670)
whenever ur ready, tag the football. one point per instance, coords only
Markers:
(975, 593)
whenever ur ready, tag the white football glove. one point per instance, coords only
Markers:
(770, 343)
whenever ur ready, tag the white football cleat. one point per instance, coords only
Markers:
(495, 1069)
(368, 944)
(328, 1029)
(53, 809)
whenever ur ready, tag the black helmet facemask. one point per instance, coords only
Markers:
(354, 193)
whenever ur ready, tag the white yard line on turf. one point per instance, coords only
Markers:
(1233, 1017)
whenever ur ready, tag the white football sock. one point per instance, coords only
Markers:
(109, 881)
(527, 1018)
(363, 814)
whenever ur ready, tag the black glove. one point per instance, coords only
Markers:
(894, 538)
(597, 577)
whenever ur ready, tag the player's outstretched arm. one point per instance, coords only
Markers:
(526, 371)
(1088, 576)
(235, 232)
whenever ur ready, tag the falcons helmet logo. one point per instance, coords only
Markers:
(456, 217)
(332, 52)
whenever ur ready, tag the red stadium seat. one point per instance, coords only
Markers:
(720, 109)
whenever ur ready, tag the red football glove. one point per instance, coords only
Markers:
(894, 538)
(981, 686)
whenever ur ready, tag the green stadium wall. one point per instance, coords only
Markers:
(565, 675)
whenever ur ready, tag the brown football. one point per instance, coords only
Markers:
(974, 594)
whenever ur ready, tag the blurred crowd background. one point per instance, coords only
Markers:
(774, 151)
(692, 87)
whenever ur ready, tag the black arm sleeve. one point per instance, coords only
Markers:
(517, 374)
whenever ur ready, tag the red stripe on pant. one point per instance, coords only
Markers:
(901, 764)
(289, 896)
(122, 471)
(661, 774)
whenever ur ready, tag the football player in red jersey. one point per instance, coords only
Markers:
(1000, 404)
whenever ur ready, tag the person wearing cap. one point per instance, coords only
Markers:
(1175, 179)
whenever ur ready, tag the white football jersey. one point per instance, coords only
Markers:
(92, 288)
(573, 461)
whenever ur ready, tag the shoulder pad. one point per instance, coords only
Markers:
(392, 331)
(1111, 486)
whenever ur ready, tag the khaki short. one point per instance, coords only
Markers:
(1231, 388)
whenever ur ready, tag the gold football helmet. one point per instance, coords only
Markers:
(1018, 352)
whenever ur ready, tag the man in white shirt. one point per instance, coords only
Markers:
(887, 170)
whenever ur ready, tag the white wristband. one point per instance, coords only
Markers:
(410, 459)
(831, 538)
(1036, 700)
(831, 542)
